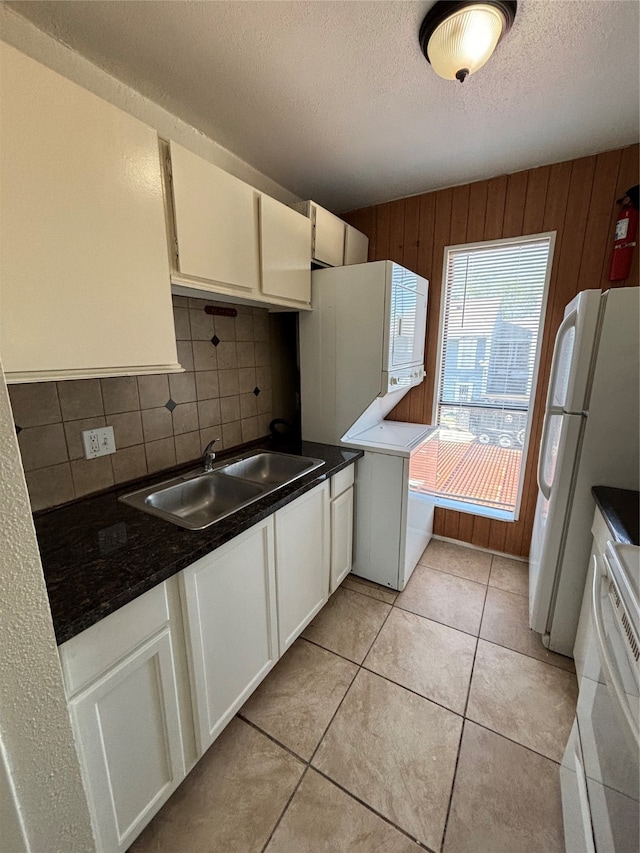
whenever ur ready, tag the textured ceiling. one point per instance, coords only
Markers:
(335, 101)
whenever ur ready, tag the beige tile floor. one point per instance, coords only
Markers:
(429, 720)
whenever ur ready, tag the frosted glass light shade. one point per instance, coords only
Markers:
(465, 40)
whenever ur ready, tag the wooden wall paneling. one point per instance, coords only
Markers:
(383, 233)
(397, 235)
(494, 216)
(424, 258)
(577, 200)
(477, 211)
(575, 222)
(465, 528)
(535, 200)
(481, 529)
(596, 237)
(411, 233)
(514, 204)
(497, 534)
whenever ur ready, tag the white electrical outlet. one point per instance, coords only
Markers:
(98, 442)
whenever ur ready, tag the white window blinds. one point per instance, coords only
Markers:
(494, 296)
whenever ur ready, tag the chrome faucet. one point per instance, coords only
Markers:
(209, 456)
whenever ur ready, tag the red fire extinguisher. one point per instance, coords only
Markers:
(626, 233)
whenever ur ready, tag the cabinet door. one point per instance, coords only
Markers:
(229, 599)
(83, 245)
(328, 237)
(216, 222)
(128, 732)
(341, 537)
(302, 562)
(356, 246)
(285, 242)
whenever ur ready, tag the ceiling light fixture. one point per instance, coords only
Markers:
(457, 37)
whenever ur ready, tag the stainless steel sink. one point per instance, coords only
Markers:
(271, 469)
(196, 500)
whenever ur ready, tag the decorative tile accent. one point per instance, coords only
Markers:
(18, 429)
(256, 391)
(215, 340)
(170, 404)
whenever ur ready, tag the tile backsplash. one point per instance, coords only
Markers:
(158, 420)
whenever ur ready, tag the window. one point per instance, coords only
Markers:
(493, 302)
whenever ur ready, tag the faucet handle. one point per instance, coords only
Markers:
(210, 445)
(208, 456)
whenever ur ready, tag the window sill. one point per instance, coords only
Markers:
(475, 509)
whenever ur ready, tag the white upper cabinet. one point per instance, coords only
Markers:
(333, 242)
(216, 224)
(356, 246)
(328, 237)
(85, 282)
(233, 240)
(285, 240)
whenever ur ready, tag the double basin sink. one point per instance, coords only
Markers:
(197, 499)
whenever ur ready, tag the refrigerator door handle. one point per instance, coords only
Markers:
(544, 487)
(569, 322)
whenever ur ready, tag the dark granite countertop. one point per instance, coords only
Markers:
(621, 511)
(98, 554)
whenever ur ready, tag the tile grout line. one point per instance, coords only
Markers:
(464, 717)
(371, 809)
(284, 810)
(308, 764)
(361, 666)
(511, 740)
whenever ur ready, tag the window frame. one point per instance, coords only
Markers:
(456, 504)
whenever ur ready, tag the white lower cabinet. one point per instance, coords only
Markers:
(302, 560)
(125, 717)
(341, 536)
(190, 651)
(230, 624)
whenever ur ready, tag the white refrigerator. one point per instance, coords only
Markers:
(361, 350)
(590, 438)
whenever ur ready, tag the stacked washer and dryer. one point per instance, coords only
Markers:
(361, 351)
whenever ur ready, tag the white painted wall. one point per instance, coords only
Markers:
(25, 36)
(41, 791)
